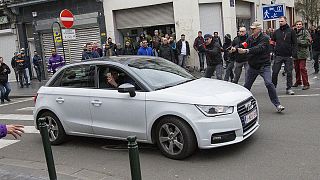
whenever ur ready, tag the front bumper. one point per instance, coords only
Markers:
(227, 129)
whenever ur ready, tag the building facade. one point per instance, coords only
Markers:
(129, 18)
(34, 19)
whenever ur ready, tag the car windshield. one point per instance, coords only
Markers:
(159, 73)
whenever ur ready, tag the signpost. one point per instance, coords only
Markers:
(273, 12)
(67, 20)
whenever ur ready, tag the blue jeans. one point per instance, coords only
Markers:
(182, 60)
(5, 90)
(202, 57)
(265, 73)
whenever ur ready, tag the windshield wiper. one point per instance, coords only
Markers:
(171, 85)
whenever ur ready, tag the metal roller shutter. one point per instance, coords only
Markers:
(211, 18)
(161, 14)
(8, 45)
(84, 35)
(243, 10)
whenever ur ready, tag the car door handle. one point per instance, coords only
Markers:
(96, 103)
(60, 100)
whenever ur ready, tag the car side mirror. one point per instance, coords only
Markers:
(127, 88)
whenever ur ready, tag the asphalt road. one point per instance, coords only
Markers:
(286, 146)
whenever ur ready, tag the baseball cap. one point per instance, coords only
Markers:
(255, 25)
(207, 36)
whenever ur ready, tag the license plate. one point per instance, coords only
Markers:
(251, 116)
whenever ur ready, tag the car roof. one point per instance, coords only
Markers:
(124, 60)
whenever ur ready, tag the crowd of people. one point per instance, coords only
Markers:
(257, 52)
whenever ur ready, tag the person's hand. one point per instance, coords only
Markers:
(232, 50)
(15, 130)
(242, 51)
(112, 81)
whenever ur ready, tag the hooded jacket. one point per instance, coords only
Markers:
(286, 41)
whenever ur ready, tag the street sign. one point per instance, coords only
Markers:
(273, 12)
(67, 18)
(69, 34)
(57, 37)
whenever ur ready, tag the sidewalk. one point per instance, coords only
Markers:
(31, 91)
(13, 169)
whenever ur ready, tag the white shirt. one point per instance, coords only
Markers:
(184, 48)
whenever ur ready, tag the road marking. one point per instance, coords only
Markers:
(26, 109)
(6, 142)
(30, 130)
(16, 117)
(303, 95)
(16, 102)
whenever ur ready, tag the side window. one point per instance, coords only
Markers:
(78, 77)
(112, 78)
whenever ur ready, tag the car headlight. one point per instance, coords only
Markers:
(215, 110)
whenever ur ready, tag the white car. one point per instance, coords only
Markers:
(147, 97)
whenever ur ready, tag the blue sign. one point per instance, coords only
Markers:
(273, 12)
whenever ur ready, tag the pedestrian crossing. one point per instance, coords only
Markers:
(24, 119)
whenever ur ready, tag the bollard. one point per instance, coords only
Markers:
(134, 158)
(47, 148)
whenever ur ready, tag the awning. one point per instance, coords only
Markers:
(28, 3)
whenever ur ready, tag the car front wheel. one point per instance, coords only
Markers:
(175, 138)
(56, 132)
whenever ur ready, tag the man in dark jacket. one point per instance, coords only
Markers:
(227, 58)
(37, 64)
(241, 60)
(21, 69)
(258, 52)
(213, 57)
(128, 49)
(13, 65)
(4, 84)
(183, 50)
(285, 50)
(166, 51)
(198, 46)
(316, 49)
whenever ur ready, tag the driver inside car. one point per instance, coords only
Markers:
(111, 79)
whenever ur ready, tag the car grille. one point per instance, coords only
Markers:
(244, 108)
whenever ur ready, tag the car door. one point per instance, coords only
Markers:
(117, 114)
(72, 96)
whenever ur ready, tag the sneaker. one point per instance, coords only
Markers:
(305, 87)
(280, 108)
(7, 99)
(296, 85)
(290, 92)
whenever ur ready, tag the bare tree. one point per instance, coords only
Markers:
(309, 10)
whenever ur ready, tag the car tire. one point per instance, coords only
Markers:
(57, 135)
(175, 138)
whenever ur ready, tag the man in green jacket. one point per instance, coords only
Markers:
(303, 41)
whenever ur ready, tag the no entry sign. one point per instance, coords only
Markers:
(67, 18)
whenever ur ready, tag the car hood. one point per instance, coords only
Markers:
(202, 91)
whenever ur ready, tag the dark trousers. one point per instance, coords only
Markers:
(265, 73)
(316, 55)
(211, 69)
(38, 71)
(202, 57)
(301, 71)
(288, 67)
(229, 71)
(22, 75)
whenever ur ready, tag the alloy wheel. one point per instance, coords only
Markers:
(171, 138)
